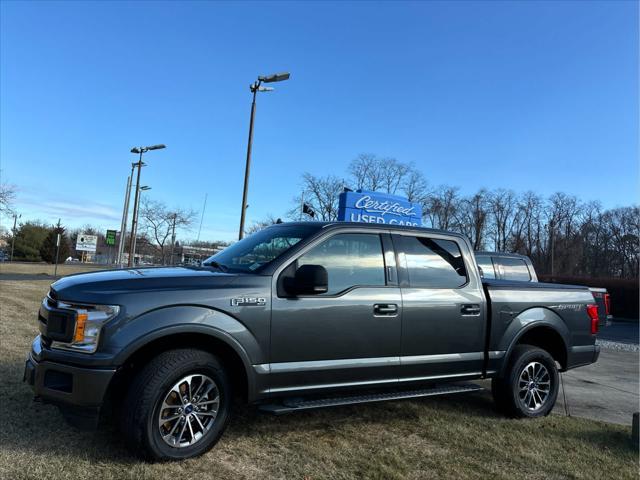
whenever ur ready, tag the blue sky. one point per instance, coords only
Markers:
(536, 96)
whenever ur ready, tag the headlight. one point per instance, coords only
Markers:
(89, 322)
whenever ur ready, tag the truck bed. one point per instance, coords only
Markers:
(515, 307)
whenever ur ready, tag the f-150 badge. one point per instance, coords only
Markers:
(248, 302)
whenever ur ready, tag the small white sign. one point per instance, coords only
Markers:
(86, 243)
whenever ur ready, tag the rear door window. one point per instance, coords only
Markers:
(433, 263)
(512, 268)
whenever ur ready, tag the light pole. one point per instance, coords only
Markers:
(125, 216)
(255, 87)
(13, 237)
(134, 222)
(173, 236)
(143, 188)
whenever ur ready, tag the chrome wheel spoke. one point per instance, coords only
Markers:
(199, 422)
(195, 394)
(211, 413)
(169, 435)
(190, 429)
(179, 438)
(169, 419)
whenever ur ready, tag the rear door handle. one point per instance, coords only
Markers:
(470, 309)
(385, 309)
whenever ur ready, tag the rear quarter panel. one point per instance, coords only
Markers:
(517, 307)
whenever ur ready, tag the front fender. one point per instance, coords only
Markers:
(132, 335)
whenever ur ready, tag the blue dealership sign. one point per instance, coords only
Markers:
(375, 207)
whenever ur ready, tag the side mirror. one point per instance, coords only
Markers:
(308, 280)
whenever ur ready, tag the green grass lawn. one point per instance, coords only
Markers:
(445, 437)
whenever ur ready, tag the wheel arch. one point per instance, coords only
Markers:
(199, 328)
(544, 329)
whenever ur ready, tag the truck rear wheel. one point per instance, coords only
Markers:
(177, 406)
(529, 387)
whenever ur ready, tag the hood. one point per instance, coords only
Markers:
(87, 286)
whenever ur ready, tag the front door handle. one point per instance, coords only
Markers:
(470, 309)
(385, 309)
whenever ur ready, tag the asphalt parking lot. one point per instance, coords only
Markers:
(608, 390)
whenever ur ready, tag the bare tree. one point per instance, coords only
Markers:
(7, 197)
(370, 172)
(321, 194)
(472, 218)
(159, 223)
(415, 186)
(440, 207)
(502, 208)
(260, 224)
(366, 172)
(577, 238)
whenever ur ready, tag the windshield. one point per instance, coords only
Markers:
(262, 247)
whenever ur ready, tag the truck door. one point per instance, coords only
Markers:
(443, 320)
(347, 336)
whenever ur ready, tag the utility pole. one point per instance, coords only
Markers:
(551, 224)
(125, 216)
(134, 222)
(55, 269)
(173, 236)
(13, 237)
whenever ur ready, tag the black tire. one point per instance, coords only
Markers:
(516, 394)
(148, 390)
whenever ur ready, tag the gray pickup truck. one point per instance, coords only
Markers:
(298, 316)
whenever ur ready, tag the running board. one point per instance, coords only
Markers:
(288, 405)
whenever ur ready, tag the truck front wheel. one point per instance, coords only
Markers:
(177, 406)
(529, 387)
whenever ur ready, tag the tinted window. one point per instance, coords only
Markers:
(434, 263)
(350, 259)
(486, 265)
(514, 269)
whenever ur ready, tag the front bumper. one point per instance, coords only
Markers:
(67, 385)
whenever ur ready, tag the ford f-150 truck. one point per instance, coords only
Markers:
(296, 316)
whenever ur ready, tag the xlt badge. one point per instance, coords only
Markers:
(248, 302)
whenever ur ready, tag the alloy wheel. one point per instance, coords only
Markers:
(189, 410)
(534, 386)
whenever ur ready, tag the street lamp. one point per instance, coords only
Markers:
(134, 222)
(255, 87)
